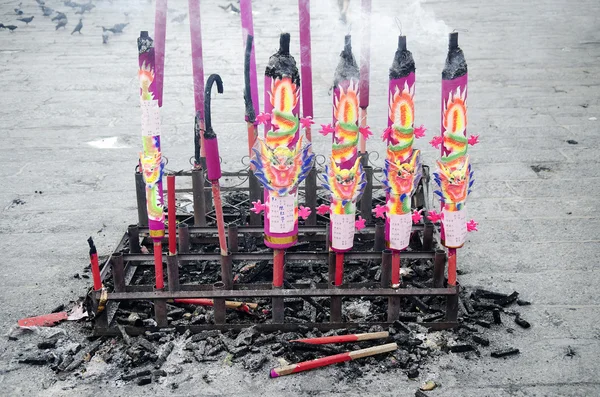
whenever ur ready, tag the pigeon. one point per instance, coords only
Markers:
(2, 26)
(118, 28)
(231, 7)
(61, 23)
(72, 4)
(41, 2)
(18, 11)
(26, 20)
(10, 27)
(47, 11)
(78, 27)
(179, 18)
(59, 16)
(105, 37)
(85, 7)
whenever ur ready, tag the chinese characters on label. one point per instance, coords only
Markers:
(342, 231)
(150, 118)
(400, 228)
(281, 213)
(455, 228)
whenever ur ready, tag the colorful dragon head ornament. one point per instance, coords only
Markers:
(345, 186)
(401, 180)
(281, 169)
(152, 168)
(455, 184)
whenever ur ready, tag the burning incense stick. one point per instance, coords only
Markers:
(344, 338)
(160, 35)
(338, 358)
(94, 265)
(365, 66)
(198, 72)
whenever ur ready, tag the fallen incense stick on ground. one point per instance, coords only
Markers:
(243, 306)
(344, 338)
(338, 358)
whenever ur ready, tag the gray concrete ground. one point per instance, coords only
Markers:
(534, 84)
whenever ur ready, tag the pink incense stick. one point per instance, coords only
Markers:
(306, 62)
(197, 62)
(160, 33)
(365, 65)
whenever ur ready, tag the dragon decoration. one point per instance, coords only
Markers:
(344, 177)
(151, 162)
(454, 176)
(281, 162)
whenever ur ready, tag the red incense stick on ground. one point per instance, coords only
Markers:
(94, 265)
(344, 338)
(338, 358)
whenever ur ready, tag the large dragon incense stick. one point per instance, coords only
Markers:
(198, 73)
(344, 176)
(402, 170)
(280, 160)
(150, 158)
(454, 176)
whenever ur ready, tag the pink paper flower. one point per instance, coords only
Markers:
(473, 140)
(420, 132)
(306, 121)
(472, 226)
(360, 223)
(323, 209)
(304, 212)
(257, 207)
(365, 131)
(434, 216)
(436, 141)
(263, 118)
(326, 129)
(416, 216)
(380, 211)
(387, 133)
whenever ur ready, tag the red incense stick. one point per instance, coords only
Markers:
(395, 269)
(158, 265)
(95, 266)
(344, 338)
(172, 214)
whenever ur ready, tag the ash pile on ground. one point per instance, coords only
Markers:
(165, 355)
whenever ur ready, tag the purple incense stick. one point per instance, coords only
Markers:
(305, 59)
(365, 53)
(197, 63)
(248, 29)
(160, 33)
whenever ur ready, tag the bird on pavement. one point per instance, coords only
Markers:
(26, 20)
(78, 27)
(10, 27)
(105, 37)
(61, 23)
(18, 11)
(231, 8)
(47, 11)
(41, 2)
(118, 28)
(59, 16)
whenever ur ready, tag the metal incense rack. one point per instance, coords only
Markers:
(196, 232)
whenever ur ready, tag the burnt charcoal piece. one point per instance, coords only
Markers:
(413, 373)
(497, 318)
(483, 323)
(508, 300)
(490, 294)
(468, 305)
(405, 316)
(144, 381)
(505, 353)
(481, 340)
(48, 344)
(245, 337)
(164, 355)
(136, 374)
(461, 348)
(419, 393)
(521, 322)
(146, 344)
(239, 351)
(38, 359)
(522, 302)
(205, 334)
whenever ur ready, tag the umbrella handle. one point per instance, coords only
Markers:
(208, 131)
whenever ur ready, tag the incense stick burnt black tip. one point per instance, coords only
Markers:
(282, 63)
(403, 63)
(197, 140)
(92, 246)
(347, 68)
(209, 133)
(250, 113)
(145, 42)
(456, 65)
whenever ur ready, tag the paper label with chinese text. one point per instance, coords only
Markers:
(342, 231)
(150, 118)
(455, 228)
(400, 228)
(281, 214)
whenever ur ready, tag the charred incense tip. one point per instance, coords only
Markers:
(284, 44)
(348, 44)
(144, 34)
(453, 40)
(92, 246)
(274, 373)
(401, 43)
